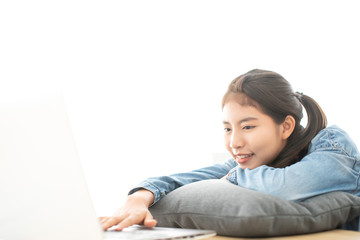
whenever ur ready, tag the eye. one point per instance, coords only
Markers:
(226, 130)
(248, 127)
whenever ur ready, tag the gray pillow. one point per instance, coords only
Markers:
(234, 211)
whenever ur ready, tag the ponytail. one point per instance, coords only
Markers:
(316, 117)
(299, 141)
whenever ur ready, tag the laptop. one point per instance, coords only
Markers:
(43, 192)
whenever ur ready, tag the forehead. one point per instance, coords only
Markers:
(233, 111)
(235, 108)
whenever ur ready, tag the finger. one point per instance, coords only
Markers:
(127, 222)
(149, 220)
(103, 219)
(112, 221)
(150, 223)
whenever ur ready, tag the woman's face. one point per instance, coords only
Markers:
(251, 136)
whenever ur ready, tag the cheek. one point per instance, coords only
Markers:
(259, 142)
(266, 145)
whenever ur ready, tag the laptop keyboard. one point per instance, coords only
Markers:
(143, 235)
(158, 233)
(136, 232)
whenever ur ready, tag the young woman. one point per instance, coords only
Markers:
(271, 151)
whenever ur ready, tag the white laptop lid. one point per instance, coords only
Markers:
(43, 194)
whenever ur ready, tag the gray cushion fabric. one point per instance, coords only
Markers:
(234, 211)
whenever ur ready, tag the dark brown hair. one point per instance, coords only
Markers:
(273, 95)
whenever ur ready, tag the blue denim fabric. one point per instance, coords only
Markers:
(332, 164)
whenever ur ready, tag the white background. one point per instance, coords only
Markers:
(143, 80)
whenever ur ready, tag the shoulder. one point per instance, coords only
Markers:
(335, 139)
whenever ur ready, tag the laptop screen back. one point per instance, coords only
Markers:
(43, 194)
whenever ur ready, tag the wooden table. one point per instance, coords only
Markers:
(328, 235)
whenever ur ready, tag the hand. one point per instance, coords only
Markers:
(134, 211)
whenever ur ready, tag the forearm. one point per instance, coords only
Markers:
(160, 186)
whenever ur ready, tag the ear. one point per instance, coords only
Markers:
(288, 126)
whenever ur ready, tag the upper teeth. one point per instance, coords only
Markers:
(244, 156)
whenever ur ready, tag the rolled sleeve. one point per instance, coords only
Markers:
(150, 187)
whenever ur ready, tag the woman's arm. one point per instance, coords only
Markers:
(160, 186)
(135, 210)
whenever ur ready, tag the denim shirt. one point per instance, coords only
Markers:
(332, 164)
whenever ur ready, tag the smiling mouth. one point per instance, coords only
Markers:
(244, 158)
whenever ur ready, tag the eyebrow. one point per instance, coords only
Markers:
(243, 120)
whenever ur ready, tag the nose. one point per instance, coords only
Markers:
(236, 141)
